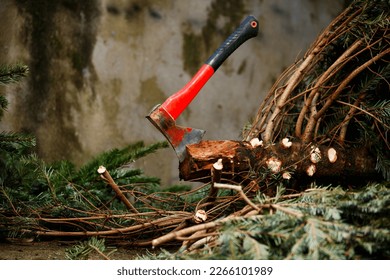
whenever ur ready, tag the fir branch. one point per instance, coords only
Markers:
(12, 73)
(84, 250)
(115, 159)
(11, 141)
(332, 224)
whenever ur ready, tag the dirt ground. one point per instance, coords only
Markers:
(55, 250)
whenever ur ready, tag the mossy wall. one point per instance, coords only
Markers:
(98, 67)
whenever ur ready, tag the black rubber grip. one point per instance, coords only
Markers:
(247, 29)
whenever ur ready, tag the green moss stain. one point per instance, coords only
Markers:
(223, 18)
(230, 13)
(43, 43)
(151, 94)
(192, 52)
(60, 33)
(242, 67)
(111, 112)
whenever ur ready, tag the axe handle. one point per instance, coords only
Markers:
(177, 102)
(248, 28)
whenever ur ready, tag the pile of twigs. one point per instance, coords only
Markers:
(147, 223)
(201, 222)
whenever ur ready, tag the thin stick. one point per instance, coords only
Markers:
(99, 252)
(199, 243)
(291, 84)
(165, 221)
(349, 116)
(363, 111)
(107, 177)
(340, 62)
(186, 231)
(239, 190)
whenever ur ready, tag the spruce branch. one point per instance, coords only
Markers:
(12, 73)
(11, 141)
(83, 250)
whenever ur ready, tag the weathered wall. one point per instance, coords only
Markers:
(98, 67)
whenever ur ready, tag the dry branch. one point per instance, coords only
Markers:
(107, 177)
(308, 133)
(240, 191)
(339, 66)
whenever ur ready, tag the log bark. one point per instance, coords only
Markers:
(299, 161)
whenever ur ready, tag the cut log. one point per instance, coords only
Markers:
(300, 161)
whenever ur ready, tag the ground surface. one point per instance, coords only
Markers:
(55, 250)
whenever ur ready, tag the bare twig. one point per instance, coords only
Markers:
(107, 177)
(99, 252)
(184, 232)
(200, 242)
(291, 84)
(310, 101)
(239, 190)
(172, 220)
(349, 116)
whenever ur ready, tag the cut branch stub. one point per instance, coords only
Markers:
(216, 172)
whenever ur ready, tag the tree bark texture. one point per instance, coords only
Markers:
(299, 161)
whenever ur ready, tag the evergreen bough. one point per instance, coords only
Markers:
(320, 223)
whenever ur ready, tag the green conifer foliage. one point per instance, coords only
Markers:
(12, 145)
(320, 223)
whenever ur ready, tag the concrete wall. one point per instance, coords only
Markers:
(98, 67)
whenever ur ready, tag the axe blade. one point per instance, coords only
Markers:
(177, 136)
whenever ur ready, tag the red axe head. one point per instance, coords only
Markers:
(164, 116)
(177, 136)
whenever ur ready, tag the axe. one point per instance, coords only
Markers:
(163, 116)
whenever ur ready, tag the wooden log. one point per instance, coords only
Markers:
(290, 159)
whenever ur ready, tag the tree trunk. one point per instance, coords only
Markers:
(291, 161)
